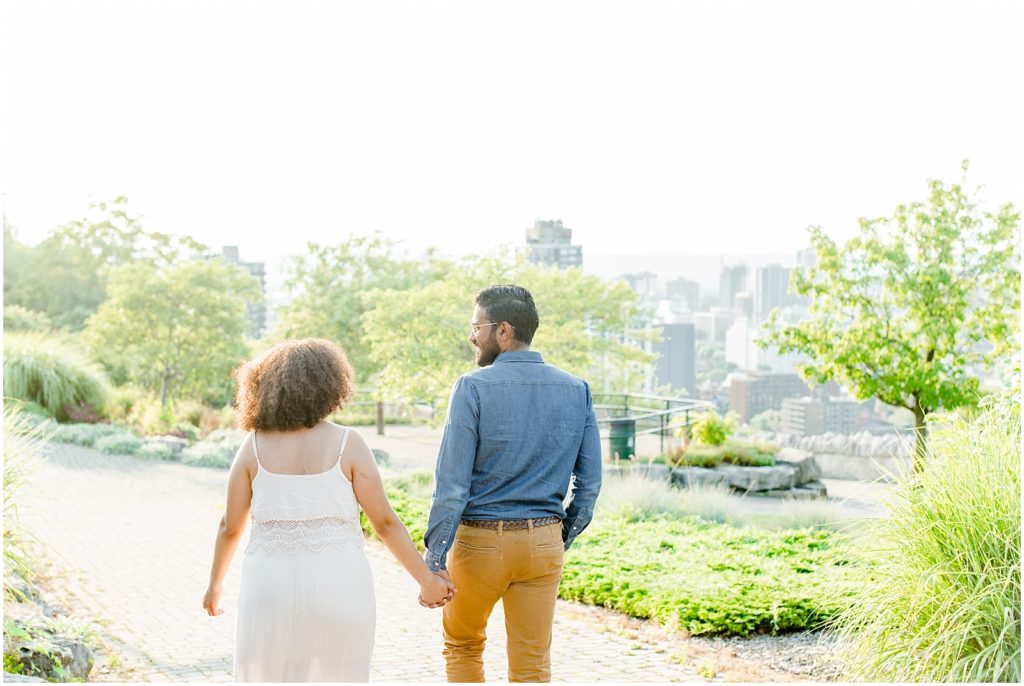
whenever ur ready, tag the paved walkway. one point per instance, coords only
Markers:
(134, 541)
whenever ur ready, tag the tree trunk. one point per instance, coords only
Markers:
(920, 438)
(163, 391)
(380, 418)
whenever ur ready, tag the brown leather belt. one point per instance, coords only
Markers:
(509, 524)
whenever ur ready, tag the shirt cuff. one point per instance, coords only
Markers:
(434, 561)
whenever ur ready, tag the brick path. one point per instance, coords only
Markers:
(134, 541)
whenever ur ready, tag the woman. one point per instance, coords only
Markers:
(306, 606)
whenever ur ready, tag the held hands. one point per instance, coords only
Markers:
(437, 590)
(211, 601)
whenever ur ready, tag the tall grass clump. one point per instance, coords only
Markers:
(942, 602)
(23, 442)
(50, 373)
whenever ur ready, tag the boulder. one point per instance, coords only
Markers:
(802, 461)
(49, 657)
(684, 477)
(614, 470)
(752, 479)
(23, 679)
(654, 472)
(381, 456)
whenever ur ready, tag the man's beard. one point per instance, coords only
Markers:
(486, 353)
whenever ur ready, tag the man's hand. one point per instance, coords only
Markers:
(433, 599)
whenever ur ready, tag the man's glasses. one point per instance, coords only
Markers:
(475, 328)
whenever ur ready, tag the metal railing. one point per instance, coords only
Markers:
(653, 414)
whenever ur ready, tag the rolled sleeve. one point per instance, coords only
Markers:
(586, 479)
(454, 472)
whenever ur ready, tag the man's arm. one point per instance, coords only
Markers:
(586, 479)
(454, 473)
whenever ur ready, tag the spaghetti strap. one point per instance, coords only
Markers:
(344, 441)
(255, 449)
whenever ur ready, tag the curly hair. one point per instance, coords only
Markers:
(293, 385)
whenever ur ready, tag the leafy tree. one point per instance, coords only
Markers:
(331, 285)
(65, 276)
(179, 327)
(915, 307)
(420, 337)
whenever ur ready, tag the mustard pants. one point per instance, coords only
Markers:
(522, 567)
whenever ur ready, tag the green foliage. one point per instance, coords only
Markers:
(155, 451)
(769, 420)
(419, 338)
(216, 450)
(739, 453)
(943, 600)
(711, 429)
(22, 443)
(708, 578)
(65, 276)
(85, 435)
(50, 373)
(179, 329)
(333, 286)
(18, 318)
(121, 443)
(910, 309)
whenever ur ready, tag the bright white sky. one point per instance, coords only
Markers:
(647, 128)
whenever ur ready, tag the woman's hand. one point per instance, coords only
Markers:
(211, 601)
(436, 591)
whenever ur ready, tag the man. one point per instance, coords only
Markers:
(517, 434)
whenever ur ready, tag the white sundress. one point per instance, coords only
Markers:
(306, 609)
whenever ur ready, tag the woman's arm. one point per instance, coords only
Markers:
(358, 462)
(232, 524)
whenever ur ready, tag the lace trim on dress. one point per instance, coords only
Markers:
(291, 536)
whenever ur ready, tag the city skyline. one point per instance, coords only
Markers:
(649, 128)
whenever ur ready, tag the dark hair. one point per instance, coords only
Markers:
(512, 304)
(293, 385)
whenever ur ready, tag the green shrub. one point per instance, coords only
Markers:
(121, 443)
(155, 451)
(209, 454)
(22, 444)
(739, 453)
(707, 578)
(18, 318)
(943, 600)
(51, 374)
(84, 434)
(711, 429)
(121, 400)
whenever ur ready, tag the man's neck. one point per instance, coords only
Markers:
(517, 347)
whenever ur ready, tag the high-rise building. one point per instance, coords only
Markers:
(806, 258)
(751, 394)
(771, 289)
(676, 364)
(256, 312)
(550, 245)
(714, 323)
(685, 292)
(810, 416)
(645, 284)
(733, 280)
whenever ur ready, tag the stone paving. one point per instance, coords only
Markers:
(133, 540)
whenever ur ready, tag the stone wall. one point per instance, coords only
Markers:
(862, 456)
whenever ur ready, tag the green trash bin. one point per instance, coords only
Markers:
(622, 438)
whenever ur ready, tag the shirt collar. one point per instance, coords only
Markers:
(519, 356)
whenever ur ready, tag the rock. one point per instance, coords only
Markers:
(760, 478)
(812, 489)
(42, 656)
(654, 472)
(802, 461)
(614, 470)
(684, 477)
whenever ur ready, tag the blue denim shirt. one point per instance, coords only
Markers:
(518, 433)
